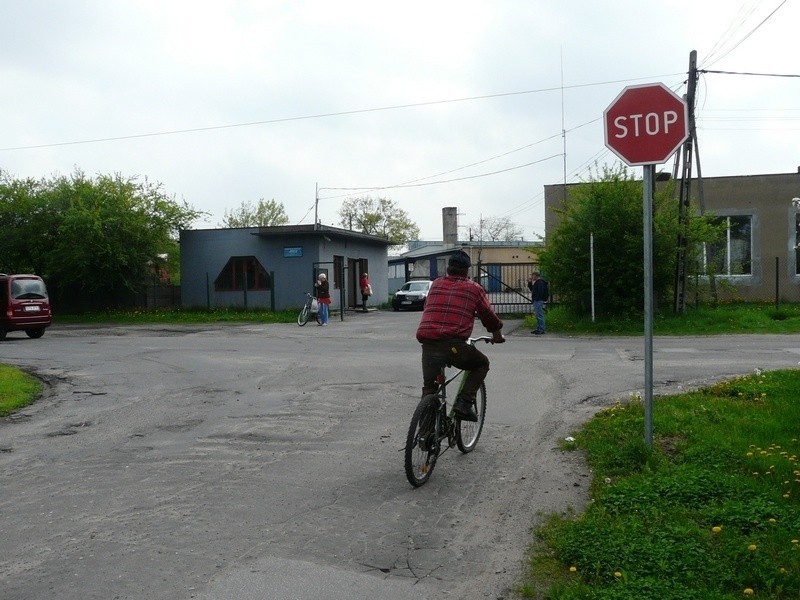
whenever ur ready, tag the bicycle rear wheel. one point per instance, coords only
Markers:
(304, 315)
(468, 432)
(422, 442)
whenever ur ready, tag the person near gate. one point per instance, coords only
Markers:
(323, 297)
(447, 320)
(539, 295)
(366, 290)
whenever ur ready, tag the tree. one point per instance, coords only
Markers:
(496, 229)
(378, 216)
(264, 214)
(609, 208)
(95, 239)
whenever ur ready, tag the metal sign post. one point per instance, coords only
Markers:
(645, 125)
(648, 176)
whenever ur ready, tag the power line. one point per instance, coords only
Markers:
(746, 73)
(410, 185)
(751, 32)
(320, 115)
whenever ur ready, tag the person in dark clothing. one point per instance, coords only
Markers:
(539, 295)
(447, 321)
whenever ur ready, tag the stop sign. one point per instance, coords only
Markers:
(646, 124)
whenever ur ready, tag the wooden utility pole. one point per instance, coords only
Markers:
(685, 182)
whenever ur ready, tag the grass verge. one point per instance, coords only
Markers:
(17, 389)
(710, 512)
(704, 320)
(179, 316)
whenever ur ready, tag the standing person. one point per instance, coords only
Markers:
(539, 295)
(323, 297)
(366, 289)
(447, 321)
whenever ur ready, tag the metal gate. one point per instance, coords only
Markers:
(507, 285)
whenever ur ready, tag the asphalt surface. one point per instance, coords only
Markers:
(254, 461)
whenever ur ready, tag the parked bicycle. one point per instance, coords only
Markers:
(309, 310)
(435, 427)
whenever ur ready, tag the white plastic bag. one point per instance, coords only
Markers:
(314, 305)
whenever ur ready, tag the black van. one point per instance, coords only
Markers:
(24, 305)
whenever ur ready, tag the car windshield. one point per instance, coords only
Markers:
(417, 286)
(22, 289)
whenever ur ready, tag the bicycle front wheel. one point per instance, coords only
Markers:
(422, 442)
(304, 315)
(468, 432)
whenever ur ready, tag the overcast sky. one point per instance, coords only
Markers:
(463, 102)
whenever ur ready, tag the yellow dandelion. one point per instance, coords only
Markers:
(748, 591)
(716, 529)
(796, 541)
(773, 521)
(786, 495)
(617, 574)
(752, 547)
(749, 454)
(782, 570)
(573, 569)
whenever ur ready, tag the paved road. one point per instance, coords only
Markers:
(265, 461)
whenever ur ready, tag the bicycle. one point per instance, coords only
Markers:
(432, 424)
(308, 311)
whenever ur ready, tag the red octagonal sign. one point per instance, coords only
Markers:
(646, 124)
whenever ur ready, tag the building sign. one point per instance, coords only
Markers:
(292, 251)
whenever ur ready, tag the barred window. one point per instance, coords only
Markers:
(241, 271)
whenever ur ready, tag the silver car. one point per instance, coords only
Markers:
(412, 295)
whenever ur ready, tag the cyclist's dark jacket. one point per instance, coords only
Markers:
(450, 310)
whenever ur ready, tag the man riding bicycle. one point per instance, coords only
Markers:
(447, 322)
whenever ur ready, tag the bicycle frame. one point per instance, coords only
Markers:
(432, 423)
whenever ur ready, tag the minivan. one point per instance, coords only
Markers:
(24, 305)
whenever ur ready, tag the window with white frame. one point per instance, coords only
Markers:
(733, 254)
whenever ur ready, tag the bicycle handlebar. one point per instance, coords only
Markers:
(483, 338)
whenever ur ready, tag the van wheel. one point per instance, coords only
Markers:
(34, 333)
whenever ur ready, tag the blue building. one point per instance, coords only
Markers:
(273, 267)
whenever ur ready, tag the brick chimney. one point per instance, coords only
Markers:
(450, 225)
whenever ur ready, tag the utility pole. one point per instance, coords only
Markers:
(686, 179)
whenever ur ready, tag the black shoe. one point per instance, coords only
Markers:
(537, 332)
(465, 411)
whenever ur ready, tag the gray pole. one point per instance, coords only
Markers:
(591, 269)
(648, 177)
(316, 206)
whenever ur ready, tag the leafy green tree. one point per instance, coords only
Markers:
(609, 208)
(95, 239)
(264, 214)
(378, 216)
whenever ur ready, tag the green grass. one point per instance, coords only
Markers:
(709, 512)
(722, 319)
(180, 316)
(17, 389)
